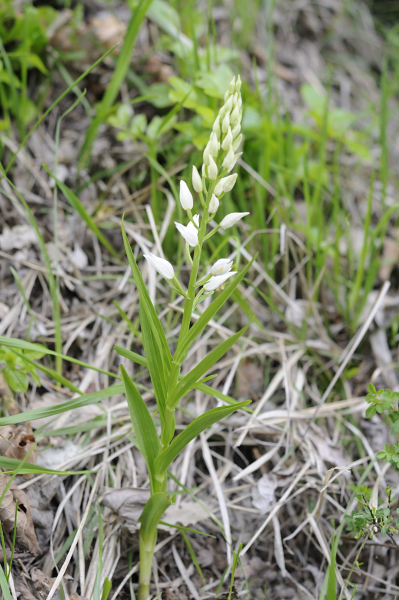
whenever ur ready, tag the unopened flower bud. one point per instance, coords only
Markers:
(163, 267)
(238, 84)
(236, 130)
(216, 127)
(226, 108)
(225, 185)
(230, 160)
(228, 140)
(235, 116)
(226, 122)
(237, 142)
(212, 169)
(213, 145)
(232, 86)
(235, 99)
(186, 198)
(232, 219)
(196, 181)
(226, 96)
(221, 267)
(207, 154)
(213, 205)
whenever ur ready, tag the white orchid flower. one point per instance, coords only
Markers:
(163, 267)
(196, 180)
(215, 282)
(225, 185)
(213, 205)
(212, 169)
(228, 140)
(189, 232)
(186, 197)
(232, 219)
(221, 267)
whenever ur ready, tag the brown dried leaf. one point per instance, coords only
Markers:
(25, 531)
(40, 582)
(6, 395)
(21, 443)
(24, 591)
(127, 502)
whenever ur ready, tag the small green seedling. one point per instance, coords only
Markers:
(159, 449)
(17, 367)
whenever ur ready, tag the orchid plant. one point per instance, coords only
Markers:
(159, 449)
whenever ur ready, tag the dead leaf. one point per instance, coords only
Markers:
(6, 395)
(108, 29)
(127, 502)
(20, 236)
(186, 513)
(40, 582)
(25, 531)
(250, 378)
(263, 496)
(24, 591)
(21, 443)
(77, 597)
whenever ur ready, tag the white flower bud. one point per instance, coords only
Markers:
(238, 84)
(213, 145)
(213, 205)
(216, 127)
(226, 96)
(232, 86)
(186, 198)
(207, 153)
(196, 180)
(235, 99)
(230, 160)
(212, 169)
(226, 108)
(228, 140)
(163, 267)
(225, 185)
(236, 130)
(221, 266)
(232, 219)
(189, 233)
(235, 116)
(237, 142)
(215, 282)
(226, 122)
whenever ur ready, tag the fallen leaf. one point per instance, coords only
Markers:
(263, 496)
(20, 236)
(127, 502)
(186, 513)
(40, 582)
(23, 590)
(77, 597)
(25, 531)
(21, 443)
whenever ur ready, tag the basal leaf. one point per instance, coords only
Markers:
(143, 425)
(207, 315)
(151, 516)
(188, 381)
(168, 455)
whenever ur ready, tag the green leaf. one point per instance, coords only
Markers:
(151, 516)
(16, 379)
(207, 315)
(188, 381)
(4, 585)
(370, 412)
(154, 360)
(51, 411)
(168, 455)
(332, 576)
(152, 316)
(143, 425)
(133, 356)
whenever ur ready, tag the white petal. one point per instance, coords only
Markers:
(196, 180)
(215, 282)
(186, 198)
(163, 267)
(190, 234)
(232, 219)
(221, 266)
(213, 205)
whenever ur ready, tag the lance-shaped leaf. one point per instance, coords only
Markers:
(188, 381)
(154, 360)
(151, 516)
(133, 356)
(143, 425)
(168, 455)
(152, 316)
(207, 315)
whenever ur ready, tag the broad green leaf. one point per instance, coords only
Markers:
(16, 379)
(145, 300)
(51, 411)
(207, 315)
(82, 212)
(168, 455)
(154, 360)
(143, 425)
(151, 516)
(188, 381)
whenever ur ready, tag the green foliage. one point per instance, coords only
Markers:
(371, 520)
(17, 367)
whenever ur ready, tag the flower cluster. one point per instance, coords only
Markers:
(219, 158)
